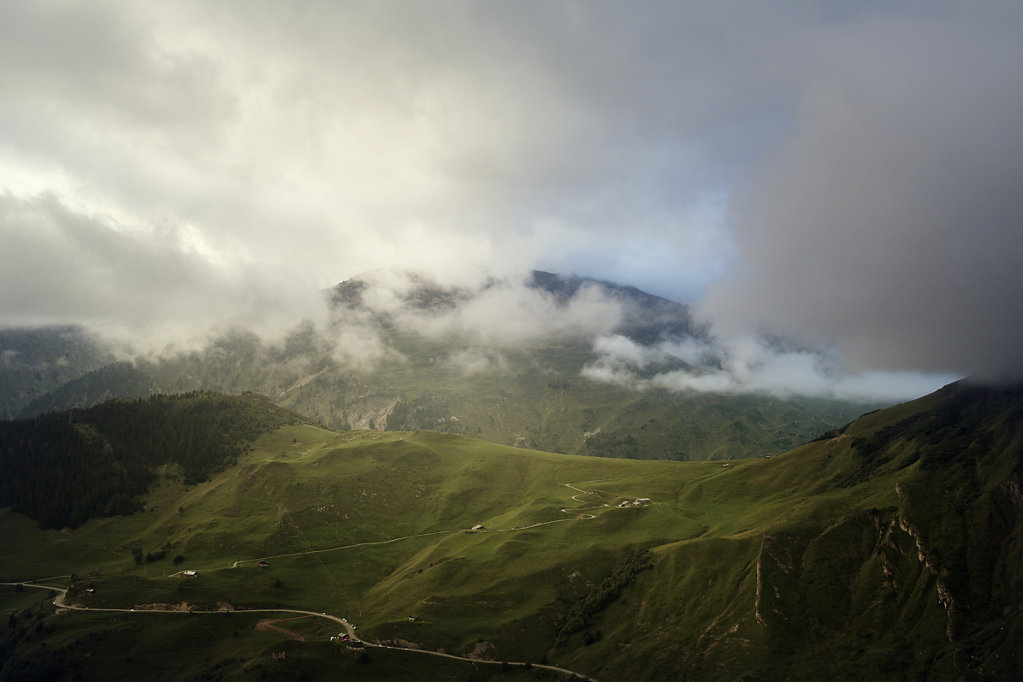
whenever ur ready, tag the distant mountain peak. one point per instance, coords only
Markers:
(645, 318)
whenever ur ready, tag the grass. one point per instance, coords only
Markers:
(774, 567)
(304, 488)
(227, 646)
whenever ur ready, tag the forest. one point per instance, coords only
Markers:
(63, 468)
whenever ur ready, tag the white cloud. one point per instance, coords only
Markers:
(626, 352)
(475, 360)
(746, 364)
(219, 159)
(325, 140)
(152, 285)
(361, 346)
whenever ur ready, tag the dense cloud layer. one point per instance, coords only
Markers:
(889, 224)
(150, 287)
(479, 326)
(502, 312)
(748, 364)
(329, 139)
(845, 172)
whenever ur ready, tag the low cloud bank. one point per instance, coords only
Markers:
(747, 364)
(184, 298)
(474, 360)
(499, 313)
(485, 320)
(887, 223)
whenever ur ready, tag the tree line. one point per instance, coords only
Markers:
(64, 468)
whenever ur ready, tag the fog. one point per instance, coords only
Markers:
(747, 364)
(888, 225)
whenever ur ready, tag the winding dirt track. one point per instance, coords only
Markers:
(60, 602)
(61, 599)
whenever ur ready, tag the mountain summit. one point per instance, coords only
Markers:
(626, 310)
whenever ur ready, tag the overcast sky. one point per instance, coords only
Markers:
(848, 172)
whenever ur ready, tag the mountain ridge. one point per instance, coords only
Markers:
(508, 362)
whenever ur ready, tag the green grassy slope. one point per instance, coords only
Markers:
(539, 401)
(889, 549)
(65, 467)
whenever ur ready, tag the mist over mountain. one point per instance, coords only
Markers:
(35, 361)
(554, 362)
(638, 340)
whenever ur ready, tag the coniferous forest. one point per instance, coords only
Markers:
(64, 468)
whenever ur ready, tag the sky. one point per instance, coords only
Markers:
(848, 174)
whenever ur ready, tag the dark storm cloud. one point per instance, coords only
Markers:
(890, 221)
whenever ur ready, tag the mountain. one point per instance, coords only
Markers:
(885, 549)
(644, 317)
(34, 362)
(121, 379)
(516, 363)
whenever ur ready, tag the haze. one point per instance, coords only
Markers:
(845, 174)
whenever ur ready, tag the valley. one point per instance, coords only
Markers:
(902, 527)
(511, 341)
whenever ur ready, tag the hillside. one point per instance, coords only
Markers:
(34, 362)
(508, 363)
(64, 468)
(887, 549)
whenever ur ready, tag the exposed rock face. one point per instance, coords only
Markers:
(371, 414)
(778, 572)
(921, 551)
(868, 570)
